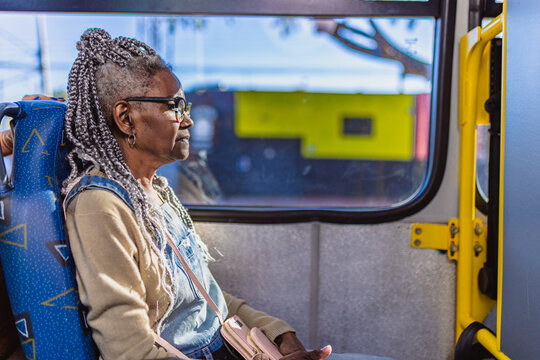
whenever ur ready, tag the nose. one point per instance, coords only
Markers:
(186, 122)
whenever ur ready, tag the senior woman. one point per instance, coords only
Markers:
(127, 116)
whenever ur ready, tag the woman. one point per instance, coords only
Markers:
(127, 116)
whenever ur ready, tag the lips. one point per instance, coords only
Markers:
(184, 139)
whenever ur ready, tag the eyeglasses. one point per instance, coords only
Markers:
(181, 108)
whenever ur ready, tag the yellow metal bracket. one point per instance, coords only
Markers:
(446, 237)
(437, 236)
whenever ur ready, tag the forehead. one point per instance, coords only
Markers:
(166, 84)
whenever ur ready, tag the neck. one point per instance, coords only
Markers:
(145, 178)
(142, 168)
(144, 172)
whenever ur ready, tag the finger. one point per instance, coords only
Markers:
(29, 97)
(35, 97)
(41, 97)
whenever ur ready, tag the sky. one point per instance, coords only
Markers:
(235, 53)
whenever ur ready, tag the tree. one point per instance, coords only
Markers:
(340, 31)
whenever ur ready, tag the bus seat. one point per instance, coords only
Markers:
(38, 271)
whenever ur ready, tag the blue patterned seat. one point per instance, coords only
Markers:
(35, 256)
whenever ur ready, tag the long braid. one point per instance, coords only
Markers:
(161, 185)
(105, 71)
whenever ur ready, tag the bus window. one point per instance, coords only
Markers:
(482, 162)
(291, 113)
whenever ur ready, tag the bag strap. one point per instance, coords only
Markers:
(192, 275)
(197, 283)
(167, 346)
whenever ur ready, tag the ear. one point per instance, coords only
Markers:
(121, 110)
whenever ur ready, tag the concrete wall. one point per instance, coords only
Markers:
(360, 288)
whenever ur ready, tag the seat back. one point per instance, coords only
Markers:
(38, 269)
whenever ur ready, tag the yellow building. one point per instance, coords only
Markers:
(331, 126)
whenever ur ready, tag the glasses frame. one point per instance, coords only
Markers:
(176, 100)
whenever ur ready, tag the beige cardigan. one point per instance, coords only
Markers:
(118, 277)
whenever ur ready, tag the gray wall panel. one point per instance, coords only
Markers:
(267, 265)
(377, 295)
(380, 296)
(520, 332)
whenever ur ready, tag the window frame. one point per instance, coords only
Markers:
(442, 10)
(334, 8)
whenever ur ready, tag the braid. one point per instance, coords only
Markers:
(161, 185)
(105, 71)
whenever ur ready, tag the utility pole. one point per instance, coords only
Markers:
(43, 55)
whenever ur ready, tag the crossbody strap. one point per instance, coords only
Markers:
(199, 286)
(167, 346)
(192, 275)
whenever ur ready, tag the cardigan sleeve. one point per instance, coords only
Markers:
(102, 233)
(272, 327)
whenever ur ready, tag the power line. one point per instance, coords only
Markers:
(18, 42)
(17, 65)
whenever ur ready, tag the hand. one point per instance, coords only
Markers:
(288, 343)
(6, 142)
(6, 137)
(310, 355)
(41, 97)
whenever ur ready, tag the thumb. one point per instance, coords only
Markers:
(324, 352)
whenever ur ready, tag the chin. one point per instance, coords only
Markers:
(182, 156)
(180, 153)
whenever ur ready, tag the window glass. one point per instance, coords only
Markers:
(288, 111)
(482, 161)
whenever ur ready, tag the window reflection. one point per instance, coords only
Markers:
(288, 111)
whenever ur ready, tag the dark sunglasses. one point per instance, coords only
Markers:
(181, 108)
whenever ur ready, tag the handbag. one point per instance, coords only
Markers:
(248, 342)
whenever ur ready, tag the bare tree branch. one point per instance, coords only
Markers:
(384, 48)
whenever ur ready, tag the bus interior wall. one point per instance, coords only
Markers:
(360, 288)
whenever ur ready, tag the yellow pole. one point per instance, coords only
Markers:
(471, 47)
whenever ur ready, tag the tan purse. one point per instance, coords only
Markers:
(263, 344)
(248, 342)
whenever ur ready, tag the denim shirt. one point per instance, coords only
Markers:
(192, 326)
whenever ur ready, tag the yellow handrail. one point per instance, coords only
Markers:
(471, 305)
(489, 341)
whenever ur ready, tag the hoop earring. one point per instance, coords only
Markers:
(131, 140)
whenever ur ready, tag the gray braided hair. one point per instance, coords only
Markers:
(106, 71)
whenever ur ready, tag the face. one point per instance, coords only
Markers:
(160, 137)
